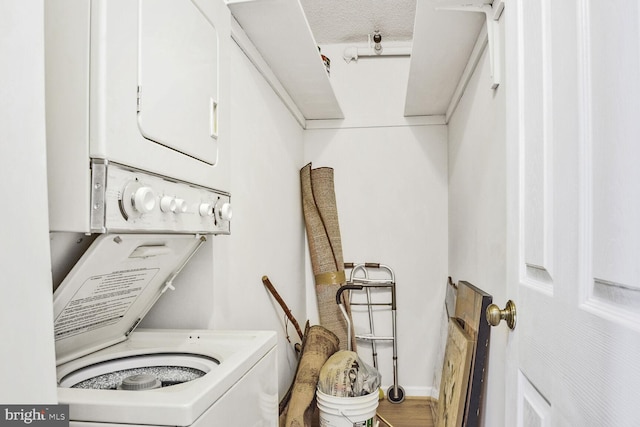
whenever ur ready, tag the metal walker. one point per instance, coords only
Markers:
(395, 393)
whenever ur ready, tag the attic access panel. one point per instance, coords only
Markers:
(178, 78)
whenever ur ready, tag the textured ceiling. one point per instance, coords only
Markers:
(442, 40)
(349, 21)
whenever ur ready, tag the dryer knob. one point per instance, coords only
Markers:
(206, 209)
(225, 213)
(144, 201)
(168, 204)
(181, 206)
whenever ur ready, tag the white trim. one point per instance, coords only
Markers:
(520, 140)
(537, 403)
(541, 277)
(585, 156)
(512, 46)
(548, 142)
(429, 391)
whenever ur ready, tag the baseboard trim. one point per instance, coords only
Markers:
(415, 391)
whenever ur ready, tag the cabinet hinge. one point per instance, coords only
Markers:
(138, 100)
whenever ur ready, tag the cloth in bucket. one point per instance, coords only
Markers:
(344, 374)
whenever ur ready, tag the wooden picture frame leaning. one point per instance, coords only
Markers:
(471, 309)
(455, 376)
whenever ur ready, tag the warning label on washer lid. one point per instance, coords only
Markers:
(101, 301)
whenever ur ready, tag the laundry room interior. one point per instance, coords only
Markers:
(415, 132)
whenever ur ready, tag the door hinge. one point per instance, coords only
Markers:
(138, 101)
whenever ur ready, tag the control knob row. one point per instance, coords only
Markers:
(144, 201)
(222, 210)
(173, 204)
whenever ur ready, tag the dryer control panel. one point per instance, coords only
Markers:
(127, 199)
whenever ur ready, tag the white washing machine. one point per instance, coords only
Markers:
(175, 378)
(113, 375)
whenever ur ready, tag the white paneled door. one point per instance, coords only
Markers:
(573, 135)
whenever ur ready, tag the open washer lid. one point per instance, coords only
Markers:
(113, 285)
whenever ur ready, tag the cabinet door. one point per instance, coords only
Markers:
(178, 78)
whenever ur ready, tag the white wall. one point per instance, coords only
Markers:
(477, 212)
(27, 359)
(267, 229)
(391, 191)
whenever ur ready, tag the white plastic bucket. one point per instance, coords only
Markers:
(347, 411)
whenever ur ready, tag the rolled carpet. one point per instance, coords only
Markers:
(325, 247)
(318, 345)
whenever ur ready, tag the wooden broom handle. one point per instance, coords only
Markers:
(278, 298)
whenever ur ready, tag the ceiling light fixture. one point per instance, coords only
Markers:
(374, 48)
(377, 38)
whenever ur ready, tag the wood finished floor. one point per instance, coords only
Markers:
(413, 412)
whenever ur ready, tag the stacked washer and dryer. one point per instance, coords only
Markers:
(137, 98)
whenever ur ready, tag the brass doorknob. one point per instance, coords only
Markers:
(495, 315)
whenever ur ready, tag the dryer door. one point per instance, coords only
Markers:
(178, 78)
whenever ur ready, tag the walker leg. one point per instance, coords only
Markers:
(374, 352)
